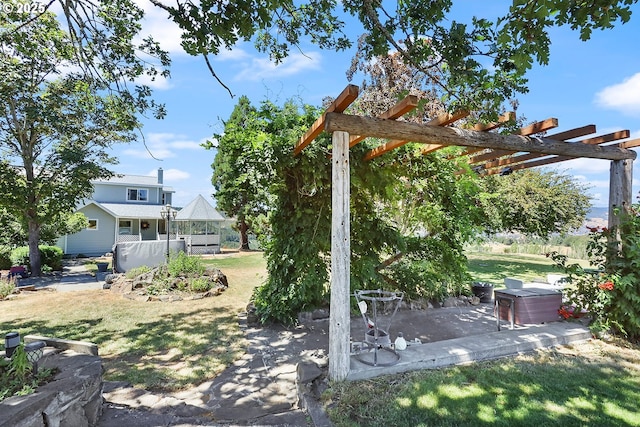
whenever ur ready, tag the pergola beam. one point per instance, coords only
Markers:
(392, 129)
(615, 136)
(441, 120)
(536, 127)
(409, 103)
(348, 95)
(561, 136)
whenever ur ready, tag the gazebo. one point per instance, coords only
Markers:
(199, 224)
(487, 152)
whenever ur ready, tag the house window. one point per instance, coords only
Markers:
(137, 194)
(124, 226)
(93, 224)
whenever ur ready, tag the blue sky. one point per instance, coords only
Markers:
(595, 82)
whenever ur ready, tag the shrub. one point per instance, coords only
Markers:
(611, 292)
(7, 286)
(185, 265)
(137, 271)
(200, 284)
(50, 256)
(5, 257)
(20, 256)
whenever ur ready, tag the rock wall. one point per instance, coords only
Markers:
(72, 399)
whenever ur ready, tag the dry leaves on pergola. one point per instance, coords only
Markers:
(488, 153)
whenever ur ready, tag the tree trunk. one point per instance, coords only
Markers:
(35, 261)
(243, 228)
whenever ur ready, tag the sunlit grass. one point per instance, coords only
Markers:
(153, 345)
(582, 385)
(493, 267)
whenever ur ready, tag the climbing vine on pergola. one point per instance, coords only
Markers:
(487, 152)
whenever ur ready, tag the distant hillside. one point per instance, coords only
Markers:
(601, 212)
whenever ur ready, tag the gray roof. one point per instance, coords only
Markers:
(130, 210)
(199, 210)
(145, 180)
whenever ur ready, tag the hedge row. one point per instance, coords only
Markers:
(51, 256)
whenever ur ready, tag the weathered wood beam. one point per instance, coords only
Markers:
(442, 120)
(536, 127)
(615, 136)
(339, 320)
(435, 147)
(620, 192)
(348, 95)
(561, 136)
(447, 136)
(409, 103)
(505, 118)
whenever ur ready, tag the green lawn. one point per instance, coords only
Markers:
(153, 345)
(591, 384)
(494, 267)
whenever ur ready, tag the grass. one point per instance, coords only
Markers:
(590, 384)
(156, 346)
(494, 267)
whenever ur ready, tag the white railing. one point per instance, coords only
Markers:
(205, 240)
(128, 238)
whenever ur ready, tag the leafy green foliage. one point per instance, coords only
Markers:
(7, 287)
(185, 265)
(480, 65)
(411, 214)
(239, 176)
(5, 257)
(55, 127)
(200, 284)
(17, 378)
(137, 271)
(535, 203)
(51, 256)
(611, 294)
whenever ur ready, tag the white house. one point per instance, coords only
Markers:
(129, 208)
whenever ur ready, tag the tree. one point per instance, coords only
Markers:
(536, 203)
(242, 168)
(483, 63)
(54, 127)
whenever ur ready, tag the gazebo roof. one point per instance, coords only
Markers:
(199, 210)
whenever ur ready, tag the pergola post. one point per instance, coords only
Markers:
(620, 192)
(339, 327)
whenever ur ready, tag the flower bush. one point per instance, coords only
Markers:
(588, 291)
(610, 291)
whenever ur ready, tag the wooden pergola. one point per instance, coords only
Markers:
(488, 153)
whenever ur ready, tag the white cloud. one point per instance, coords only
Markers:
(171, 175)
(163, 146)
(264, 68)
(235, 54)
(584, 166)
(623, 96)
(158, 24)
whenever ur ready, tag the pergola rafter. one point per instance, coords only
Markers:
(348, 130)
(522, 161)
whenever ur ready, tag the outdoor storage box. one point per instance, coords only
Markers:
(531, 305)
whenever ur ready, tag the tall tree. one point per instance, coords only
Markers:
(241, 168)
(55, 127)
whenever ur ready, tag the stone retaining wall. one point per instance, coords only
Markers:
(73, 398)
